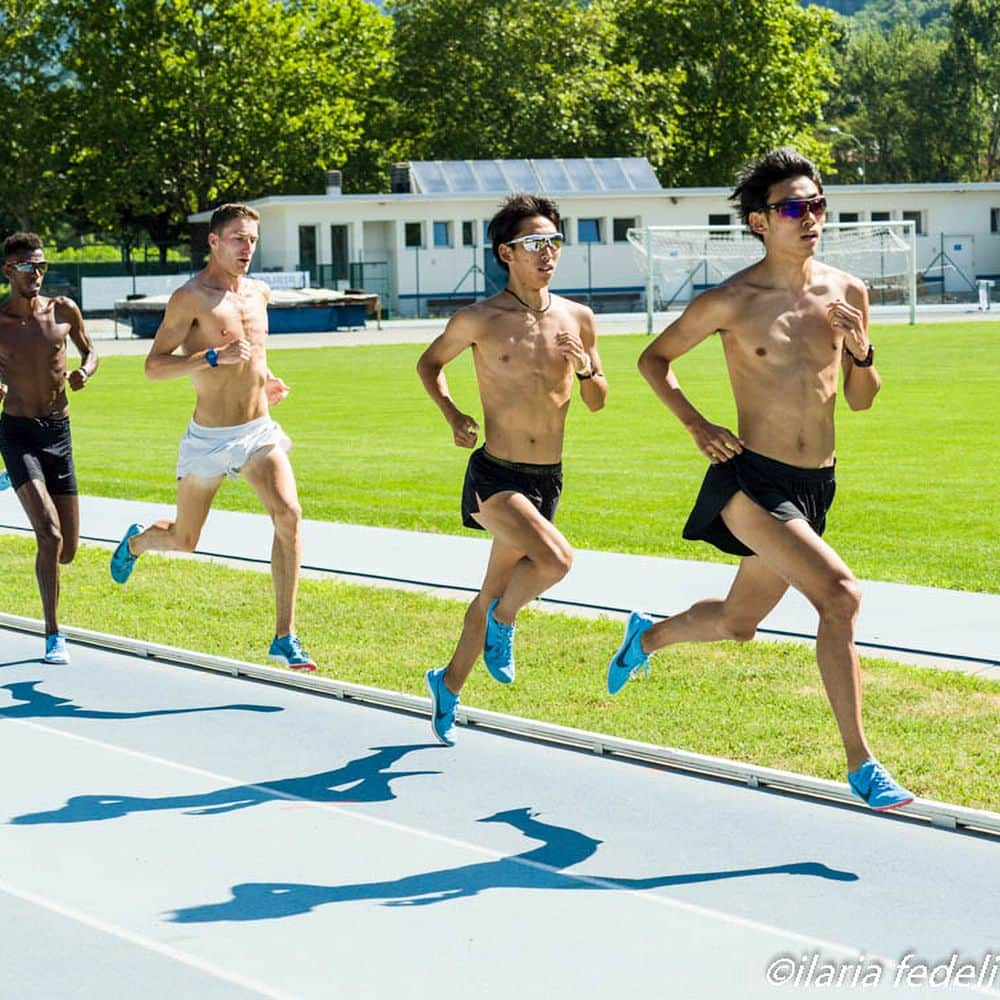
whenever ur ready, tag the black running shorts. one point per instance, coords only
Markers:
(486, 475)
(38, 448)
(784, 491)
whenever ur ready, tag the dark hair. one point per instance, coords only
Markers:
(518, 207)
(20, 243)
(225, 214)
(758, 177)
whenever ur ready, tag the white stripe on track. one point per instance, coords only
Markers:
(96, 923)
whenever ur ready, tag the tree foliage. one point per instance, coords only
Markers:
(513, 78)
(38, 124)
(754, 74)
(184, 104)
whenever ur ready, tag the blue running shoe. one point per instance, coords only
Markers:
(122, 560)
(498, 649)
(289, 651)
(630, 658)
(55, 649)
(443, 705)
(873, 784)
(4, 480)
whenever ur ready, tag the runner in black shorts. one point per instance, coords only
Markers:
(793, 331)
(34, 427)
(486, 476)
(527, 345)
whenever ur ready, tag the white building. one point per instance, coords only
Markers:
(423, 247)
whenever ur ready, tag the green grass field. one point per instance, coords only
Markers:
(761, 702)
(917, 477)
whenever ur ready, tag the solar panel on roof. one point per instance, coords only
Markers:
(554, 176)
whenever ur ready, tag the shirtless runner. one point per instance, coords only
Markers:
(789, 326)
(528, 345)
(218, 319)
(34, 429)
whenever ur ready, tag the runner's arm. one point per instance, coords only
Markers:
(68, 311)
(593, 387)
(703, 317)
(861, 382)
(459, 334)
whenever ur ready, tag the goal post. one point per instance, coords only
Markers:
(678, 262)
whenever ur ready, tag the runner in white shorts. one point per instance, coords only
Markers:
(218, 320)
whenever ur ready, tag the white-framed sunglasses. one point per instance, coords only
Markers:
(535, 242)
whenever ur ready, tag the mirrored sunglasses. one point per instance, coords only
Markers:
(536, 241)
(30, 266)
(796, 208)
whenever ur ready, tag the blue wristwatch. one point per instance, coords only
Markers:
(212, 357)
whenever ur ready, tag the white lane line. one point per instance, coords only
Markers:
(96, 923)
(835, 947)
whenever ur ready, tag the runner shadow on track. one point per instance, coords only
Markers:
(39, 705)
(21, 663)
(541, 868)
(366, 779)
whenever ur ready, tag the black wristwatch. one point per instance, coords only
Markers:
(212, 357)
(867, 361)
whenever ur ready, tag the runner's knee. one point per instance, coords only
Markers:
(287, 517)
(49, 537)
(186, 541)
(738, 630)
(556, 562)
(841, 601)
(68, 552)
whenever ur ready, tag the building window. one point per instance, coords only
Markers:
(849, 217)
(995, 220)
(719, 219)
(567, 228)
(589, 231)
(413, 234)
(915, 217)
(881, 216)
(468, 234)
(442, 234)
(620, 228)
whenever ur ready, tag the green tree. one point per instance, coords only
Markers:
(183, 104)
(37, 127)
(755, 74)
(513, 78)
(971, 77)
(889, 108)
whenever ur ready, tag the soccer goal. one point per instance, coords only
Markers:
(680, 261)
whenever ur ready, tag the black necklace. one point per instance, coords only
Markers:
(544, 308)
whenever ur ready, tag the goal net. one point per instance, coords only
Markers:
(680, 261)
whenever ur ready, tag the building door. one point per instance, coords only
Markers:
(307, 252)
(958, 254)
(339, 255)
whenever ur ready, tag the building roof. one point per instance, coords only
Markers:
(594, 175)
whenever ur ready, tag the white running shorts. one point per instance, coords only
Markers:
(208, 452)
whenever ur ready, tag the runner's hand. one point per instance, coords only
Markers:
(235, 352)
(3, 392)
(275, 389)
(850, 322)
(77, 379)
(715, 442)
(464, 430)
(571, 348)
